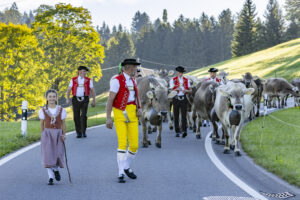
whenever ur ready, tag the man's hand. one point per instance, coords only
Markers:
(138, 112)
(109, 123)
(93, 103)
(63, 138)
(68, 101)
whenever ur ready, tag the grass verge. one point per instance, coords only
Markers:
(10, 132)
(275, 147)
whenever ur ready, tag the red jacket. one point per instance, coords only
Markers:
(86, 86)
(177, 84)
(121, 99)
(209, 79)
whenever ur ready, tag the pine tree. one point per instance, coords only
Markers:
(244, 33)
(292, 8)
(273, 24)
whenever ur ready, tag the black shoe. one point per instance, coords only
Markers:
(130, 173)
(83, 134)
(50, 181)
(177, 135)
(78, 136)
(121, 179)
(57, 175)
(184, 135)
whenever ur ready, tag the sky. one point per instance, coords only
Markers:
(115, 12)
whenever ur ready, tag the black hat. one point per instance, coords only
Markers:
(130, 61)
(180, 69)
(83, 67)
(213, 70)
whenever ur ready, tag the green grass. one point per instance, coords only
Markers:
(10, 132)
(275, 147)
(282, 60)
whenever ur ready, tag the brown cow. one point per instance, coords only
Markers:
(280, 88)
(203, 103)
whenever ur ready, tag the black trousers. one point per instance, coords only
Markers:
(180, 105)
(80, 109)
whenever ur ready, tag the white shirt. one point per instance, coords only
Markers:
(52, 111)
(80, 88)
(180, 93)
(115, 86)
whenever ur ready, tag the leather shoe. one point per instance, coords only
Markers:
(130, 173)
(83, 134)
(50, 181)
(177, 135)
(57, 175)
(78, 136)
(121, 179)
(184, 135)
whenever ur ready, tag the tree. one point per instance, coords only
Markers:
(66, 35)
(244, 33)
(273, 24)
(22, 75)
(225, 34)
(165, 16)
(292, 8)
(12, 15)
(139, 21)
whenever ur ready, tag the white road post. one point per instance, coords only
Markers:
(24, 119)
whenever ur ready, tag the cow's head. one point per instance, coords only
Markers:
(159, 97)
(235, 95)
(223, 76)
(247, 78)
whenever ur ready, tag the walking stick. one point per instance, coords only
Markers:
(67, 163)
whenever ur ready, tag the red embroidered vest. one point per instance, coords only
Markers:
(121, 99)
(177, 84)
(209, 79)
(86, 86)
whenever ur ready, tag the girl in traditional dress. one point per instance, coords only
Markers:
(53, 129)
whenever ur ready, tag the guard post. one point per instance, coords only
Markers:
(24, 119)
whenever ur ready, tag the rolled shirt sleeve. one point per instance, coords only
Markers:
(41, 114)
(114, 85)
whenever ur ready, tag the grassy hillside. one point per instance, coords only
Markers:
(282, 61)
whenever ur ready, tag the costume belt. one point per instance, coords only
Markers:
(80, 98)
(180, 98)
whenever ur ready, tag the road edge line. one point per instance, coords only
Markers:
(231, 176)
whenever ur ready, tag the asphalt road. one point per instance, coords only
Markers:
(181, 169)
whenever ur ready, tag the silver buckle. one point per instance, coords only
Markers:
(80, 99)
(180, 98)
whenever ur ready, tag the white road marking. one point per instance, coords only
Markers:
(211, 154)
(11, 156)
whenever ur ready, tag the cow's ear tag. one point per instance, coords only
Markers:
(149, 94)
(224, 93)
(172, 94)
(171, 72)
(249, 91)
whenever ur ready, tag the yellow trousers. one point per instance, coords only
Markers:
(127, 132)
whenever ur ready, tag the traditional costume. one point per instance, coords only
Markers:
(81, 87)
(52, 148)
(180, 101)
(125, 107)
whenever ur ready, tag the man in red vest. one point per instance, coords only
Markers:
(81, 87)
(213, 75)
(182, 85)
(123, 100)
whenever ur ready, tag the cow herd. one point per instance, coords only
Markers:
(229, 104)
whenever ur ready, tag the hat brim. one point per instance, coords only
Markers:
(130, 63)
(213, 70)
